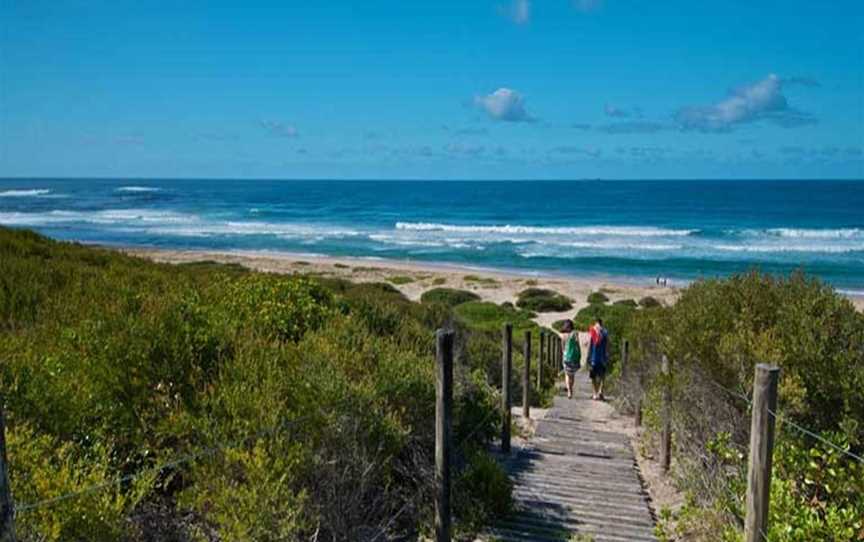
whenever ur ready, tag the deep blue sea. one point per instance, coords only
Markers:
(627, 229)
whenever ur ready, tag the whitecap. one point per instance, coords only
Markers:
(33, 193)
(138, 189)
(634, 231)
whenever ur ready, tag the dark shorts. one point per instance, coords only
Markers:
(571, 368)
(598, 371)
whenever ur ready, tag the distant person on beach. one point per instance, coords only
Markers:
(598, 358)
(572, 355)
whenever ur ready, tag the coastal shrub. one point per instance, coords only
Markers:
(482, 476)
(716, 333)
(487, 281)
(487, 316)
(597, 298)
(649, 302)
(281, 307)
(300, 405)
(400, 279)
(627, 303)
(448, 296)
(43, 468)
(542, 300)
(438, 281)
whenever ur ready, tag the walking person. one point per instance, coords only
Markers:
(598, 358)
(572, 355)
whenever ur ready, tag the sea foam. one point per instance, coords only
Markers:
(25, 193)
(138, 189)
(632, 231)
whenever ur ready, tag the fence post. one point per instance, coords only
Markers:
(526, 378)
(443, 433)
(625, 354)
(7, 515)
(540, 364)
(761, 451)
(506, 365)
(666, 433)
(639, 389)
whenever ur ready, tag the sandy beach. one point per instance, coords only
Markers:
(413, 278)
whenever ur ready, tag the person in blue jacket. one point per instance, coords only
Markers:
(598, 358)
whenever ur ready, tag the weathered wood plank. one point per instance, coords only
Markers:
(576, 477)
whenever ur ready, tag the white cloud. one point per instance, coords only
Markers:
(762, 100)
(279, 129)
(504, 104)
(612, 111)
(518, 11)
(464, 149)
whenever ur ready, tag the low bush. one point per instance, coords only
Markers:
(649, 302)
(448, 296)
(542, 300)
(715, 334)
(487, 281)
(400, 279)
(627, 303)
(487, 316)
(305, 402)
(597, 298)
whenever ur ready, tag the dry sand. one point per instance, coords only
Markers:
(490, 285)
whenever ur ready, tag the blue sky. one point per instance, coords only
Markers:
(408, 89)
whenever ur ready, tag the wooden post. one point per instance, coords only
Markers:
(625, 354)
(443, 433)
(7, 511)
(506, 365)
(640, 390)
(560, 352)
(540, 364)
(666, 432)
(761, 451)
(526, 378)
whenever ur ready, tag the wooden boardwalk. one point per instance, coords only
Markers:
(576, 479)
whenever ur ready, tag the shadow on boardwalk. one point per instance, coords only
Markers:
(575, 480)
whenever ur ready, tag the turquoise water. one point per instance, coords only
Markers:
(640, 229)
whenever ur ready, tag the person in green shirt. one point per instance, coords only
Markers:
(572, 355)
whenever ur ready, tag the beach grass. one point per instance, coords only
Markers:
(543, 300)
(401, 279)
(476, 279)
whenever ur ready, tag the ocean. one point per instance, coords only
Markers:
(629, 230)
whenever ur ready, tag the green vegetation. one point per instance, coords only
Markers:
(301, 263)
(400, 279)
(487, 316)
(597, 298)
(715, 334)
(438, 281)
(649, 302)
(294, 405)
(341, 266)
(483, 281)
(448, 296)
(542, 300)
(627, 303)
